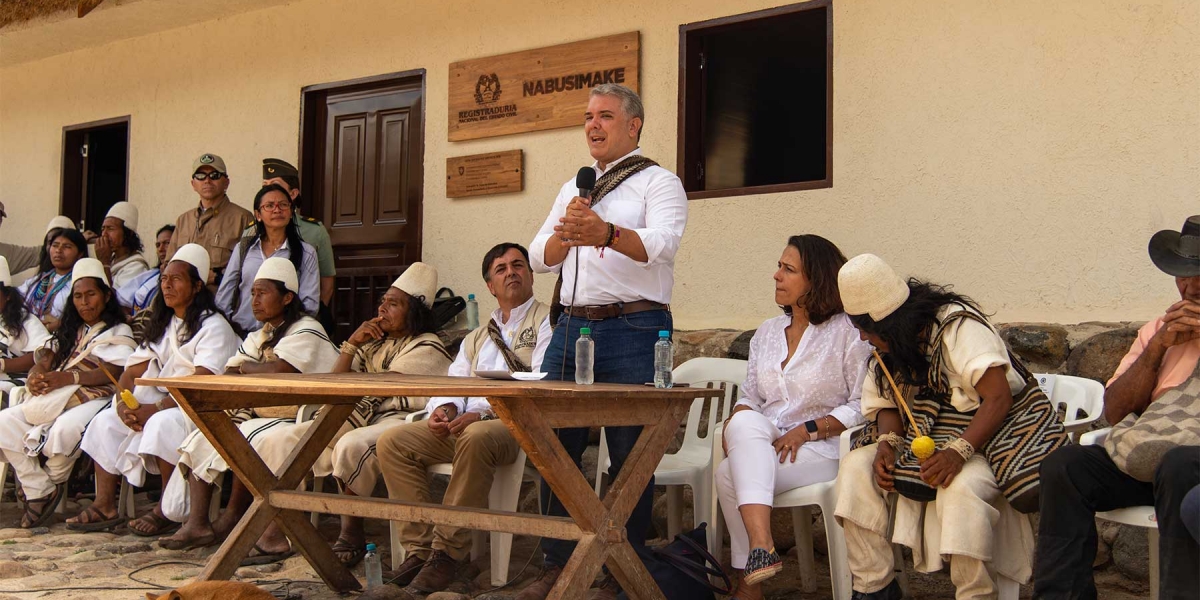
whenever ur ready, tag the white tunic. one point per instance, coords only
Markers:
(32, 335)
(209, 348)
(127, 269)
(59, 286)
(823, 377)
(652, 203)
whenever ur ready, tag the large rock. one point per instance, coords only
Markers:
(1098, 356)
(705, 342)
(740, 347)
(1131, 553)
(14, 570)
(1042, 346)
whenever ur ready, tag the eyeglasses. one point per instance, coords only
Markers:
(213, 175)
(269, 207)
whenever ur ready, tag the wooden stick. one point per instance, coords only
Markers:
(896, 390)
(110, 377)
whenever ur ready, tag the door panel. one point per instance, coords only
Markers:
(367, 168)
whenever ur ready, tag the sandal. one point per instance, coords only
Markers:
(761, 565)
(96, 520)
(353, 553)
(162, 525)
(265, 558)
(197, 542)
(37, 518)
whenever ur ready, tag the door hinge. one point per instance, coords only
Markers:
(83, 150)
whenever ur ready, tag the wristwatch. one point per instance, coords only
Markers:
(159, 404)
(811, 427)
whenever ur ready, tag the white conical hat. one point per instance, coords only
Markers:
(88, 267)
(281, 270)
(5, 274)
(195, 255)
(60, 222)
(126, 212)
(420, 281)
(870, 287)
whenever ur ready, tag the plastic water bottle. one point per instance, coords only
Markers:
(374, 567)
(664, 359)
(585, 350)
(472, 312)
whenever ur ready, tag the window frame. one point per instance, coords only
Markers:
(688, 149)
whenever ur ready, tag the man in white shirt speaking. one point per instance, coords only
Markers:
(615, 254)
(463, 431)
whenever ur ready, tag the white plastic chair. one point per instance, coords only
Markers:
(800, 500)
(505, 495)
(1081, 400)
(1137, 516)
(692, 465)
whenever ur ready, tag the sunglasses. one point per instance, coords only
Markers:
(213, 175)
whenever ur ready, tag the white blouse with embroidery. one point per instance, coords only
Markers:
(823, 377)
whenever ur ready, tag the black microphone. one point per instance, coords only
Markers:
(585, 180)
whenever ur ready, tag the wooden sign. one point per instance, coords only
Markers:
(533, 90)
(483, 174)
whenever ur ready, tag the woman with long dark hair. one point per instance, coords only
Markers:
(956, 377)
(400, 339)
(46, 294)
(290, 341)
(186, 335)
(275, 235)
(803, 382)
(20, 333)
(40, 433)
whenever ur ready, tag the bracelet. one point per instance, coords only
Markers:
(612, 231)
(892, 439)
(962, 447)
(348, 348)
(75, 376)
(825, 424)
(3, 365)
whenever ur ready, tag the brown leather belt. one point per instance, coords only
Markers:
(608, 311)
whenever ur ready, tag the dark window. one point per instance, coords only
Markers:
(756, 102)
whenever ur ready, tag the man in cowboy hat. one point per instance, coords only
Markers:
(217, 223)
(1079, 481)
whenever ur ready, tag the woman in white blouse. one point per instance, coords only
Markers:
(801, 391)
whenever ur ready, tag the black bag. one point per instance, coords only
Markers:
(447, 307)
(682, 568)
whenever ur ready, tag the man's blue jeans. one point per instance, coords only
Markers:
(624, 354)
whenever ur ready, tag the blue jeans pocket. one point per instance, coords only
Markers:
(655, 320)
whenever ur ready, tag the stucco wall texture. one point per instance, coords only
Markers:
(1022, 150)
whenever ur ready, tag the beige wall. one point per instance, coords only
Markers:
(1023, 150)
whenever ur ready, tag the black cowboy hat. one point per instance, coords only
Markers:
(1178, 252)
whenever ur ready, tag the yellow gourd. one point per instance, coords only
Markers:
(923, 447)
(129, 400)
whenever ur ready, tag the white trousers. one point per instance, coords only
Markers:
(752, 474)
(24, 446)
(118, 449)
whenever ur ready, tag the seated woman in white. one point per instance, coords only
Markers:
(41, 431)
(290, 341)
(186, 335)
(400, 339)
(802, 389)
(20, 333)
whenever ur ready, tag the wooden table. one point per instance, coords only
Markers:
(531, 410)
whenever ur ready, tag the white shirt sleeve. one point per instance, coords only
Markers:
(33, 335)
(749, 389)
(537, 249)
(666, 217)
(854, 369)
(543, 342)
(459, 368)
(215, 343)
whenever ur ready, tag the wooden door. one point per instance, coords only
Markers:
(366, 165)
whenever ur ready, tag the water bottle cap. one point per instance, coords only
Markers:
(585, 331)
(370, 547)
(664, 334)
(470, 296)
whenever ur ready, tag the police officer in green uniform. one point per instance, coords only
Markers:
(283, 174)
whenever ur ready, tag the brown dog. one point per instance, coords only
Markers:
(215, 590)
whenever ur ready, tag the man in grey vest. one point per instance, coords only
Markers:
(463, 431)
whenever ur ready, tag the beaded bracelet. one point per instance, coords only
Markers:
(75, 376)
(962, 447)
(348, 348)
(892, 439)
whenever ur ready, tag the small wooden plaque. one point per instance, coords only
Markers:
(483, 174)
(535, 90)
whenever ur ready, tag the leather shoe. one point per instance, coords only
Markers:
(407, 571)
(540, 587)
(437, 574)
(607, 589)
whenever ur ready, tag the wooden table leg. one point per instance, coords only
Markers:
(605, 521)
(249, 467)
